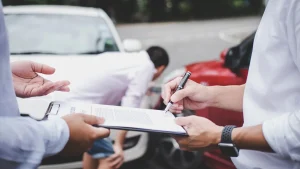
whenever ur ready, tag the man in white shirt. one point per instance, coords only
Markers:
(270, 136)
(115, 78)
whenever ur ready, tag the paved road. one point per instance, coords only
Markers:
(188, 42)
(191, 41)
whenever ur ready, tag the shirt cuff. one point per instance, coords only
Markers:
(277, 134)
(56, 136)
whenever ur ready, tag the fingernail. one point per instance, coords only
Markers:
(101, 119)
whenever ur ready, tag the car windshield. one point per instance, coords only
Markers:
(58, 34)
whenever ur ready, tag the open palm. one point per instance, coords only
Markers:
(28, 83)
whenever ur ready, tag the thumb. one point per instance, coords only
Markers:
(92, 120)
(100, 132)
(181, 94)
(183, 121)
(42, 68)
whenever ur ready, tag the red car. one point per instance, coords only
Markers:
(230, 69)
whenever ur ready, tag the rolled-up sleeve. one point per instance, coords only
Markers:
(283, 135)
(26, 141)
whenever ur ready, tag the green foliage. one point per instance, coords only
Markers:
(185, 7)
(37, 1)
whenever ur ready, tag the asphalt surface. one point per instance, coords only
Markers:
(188, 42)
(192, 41)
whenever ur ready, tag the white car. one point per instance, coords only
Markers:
(58, 34)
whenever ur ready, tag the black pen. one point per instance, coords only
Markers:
(179, 87)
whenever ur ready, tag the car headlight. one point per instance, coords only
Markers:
(175, 73)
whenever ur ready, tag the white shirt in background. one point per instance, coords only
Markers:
(272, 93)
(110, 78)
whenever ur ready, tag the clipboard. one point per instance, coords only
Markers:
(120, 118)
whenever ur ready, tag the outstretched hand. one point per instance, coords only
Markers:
(28, 83)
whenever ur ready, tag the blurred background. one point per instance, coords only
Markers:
(211, 38)
(134, 11)
(186, 28)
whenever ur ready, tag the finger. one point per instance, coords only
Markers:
(167, 89)
(178, 111)
(183, 142)
(176, 137)
(61, 84)
(177, 106)
(45, 89)
(183, 121)
(120, 163)
(99, 132)
(64, 86)
(113, 157)
(116, 162)
(56, 86)
(181, 94)
(92, 120)
(174, 109)
(64, 89)
(42, 68)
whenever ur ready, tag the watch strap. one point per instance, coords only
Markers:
(226, 134)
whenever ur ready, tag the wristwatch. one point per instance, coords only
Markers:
(226, 145)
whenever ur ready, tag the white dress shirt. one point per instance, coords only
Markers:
(272, 93)
(111, 78)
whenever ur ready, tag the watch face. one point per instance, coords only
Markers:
(229, 149)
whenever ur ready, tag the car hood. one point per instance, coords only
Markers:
(215, 67)
(51, 59)
(59, 62)
(211, 73)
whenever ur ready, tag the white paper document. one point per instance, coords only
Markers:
(123, 118)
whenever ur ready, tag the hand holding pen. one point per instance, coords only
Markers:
(179, 87)
(193, 96)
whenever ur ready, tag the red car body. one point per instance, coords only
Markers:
(230, 69)
(214, 73)
(217, 73)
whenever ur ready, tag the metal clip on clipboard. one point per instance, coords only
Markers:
(52, 109)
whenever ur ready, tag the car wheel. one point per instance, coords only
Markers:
(172, 156)
(175, 158)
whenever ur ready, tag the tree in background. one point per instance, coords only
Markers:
(176, 8)
(157, 10)
(160, 10)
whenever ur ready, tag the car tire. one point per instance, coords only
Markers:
(170, 155)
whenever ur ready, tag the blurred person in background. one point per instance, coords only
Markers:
(270, 136)
(24, 142)
(115, 78)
